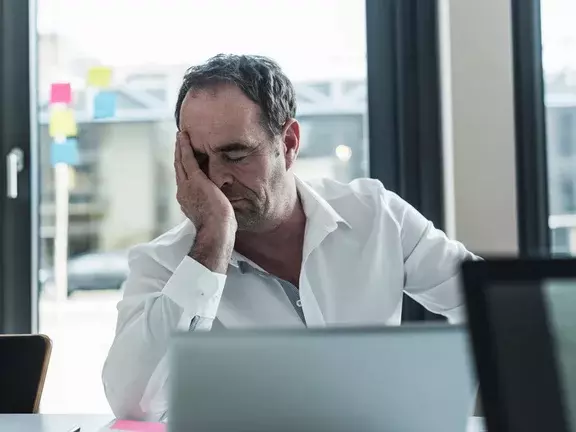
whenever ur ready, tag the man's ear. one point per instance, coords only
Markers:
(291, 139)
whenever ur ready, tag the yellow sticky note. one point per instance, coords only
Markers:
(62, 123)
(100, 77)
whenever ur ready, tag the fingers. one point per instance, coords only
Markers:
(178, 167)
(189, 162)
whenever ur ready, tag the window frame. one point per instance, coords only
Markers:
(18, 262)
(404, 109)
(534, 235)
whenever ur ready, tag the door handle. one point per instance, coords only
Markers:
(14, 165)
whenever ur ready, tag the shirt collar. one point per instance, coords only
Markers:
(317, 209)
(319, 214)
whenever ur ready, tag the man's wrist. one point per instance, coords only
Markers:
(213, 248)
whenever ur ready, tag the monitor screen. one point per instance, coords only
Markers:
(560, 303)
(530, 328)
(522, 320)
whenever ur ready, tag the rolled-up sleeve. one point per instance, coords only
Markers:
(157, 302)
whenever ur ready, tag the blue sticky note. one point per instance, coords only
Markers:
(105, 105)
(65, 152)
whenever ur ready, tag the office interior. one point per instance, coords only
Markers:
(450, 103)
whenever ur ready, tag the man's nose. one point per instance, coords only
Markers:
(219, 175)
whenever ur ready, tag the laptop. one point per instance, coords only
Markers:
(522, 318)
(402, 379)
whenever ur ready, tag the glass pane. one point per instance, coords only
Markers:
(560, 300)
(120, 188)
(559, 47)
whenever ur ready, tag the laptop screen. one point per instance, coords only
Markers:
(530, 329)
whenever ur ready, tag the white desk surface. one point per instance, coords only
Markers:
(93, 423)
(52, 422)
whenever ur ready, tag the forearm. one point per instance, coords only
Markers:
(137, 350)
(213, 248)
(135, 371)
(147, 319)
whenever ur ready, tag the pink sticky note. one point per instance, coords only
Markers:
(138, 426)
(61, 93)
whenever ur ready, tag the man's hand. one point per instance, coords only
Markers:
(206, 206)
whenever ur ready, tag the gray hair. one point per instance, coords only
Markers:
(260, 78)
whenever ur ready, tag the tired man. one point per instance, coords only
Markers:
(260, 247)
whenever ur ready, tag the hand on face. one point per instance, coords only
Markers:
(200, 199)
(238, 155)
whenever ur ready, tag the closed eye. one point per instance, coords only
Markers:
(234, 158)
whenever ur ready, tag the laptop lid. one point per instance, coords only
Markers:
(410, 379)
(522, 318)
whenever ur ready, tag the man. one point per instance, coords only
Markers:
(261, 248)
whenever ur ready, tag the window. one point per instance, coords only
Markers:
(568, 195)
(70, 225)
(559, 69)
(561, 241)
(565, 131)
(126, 160)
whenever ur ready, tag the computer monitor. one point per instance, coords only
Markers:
(522, 318)
(402, 379)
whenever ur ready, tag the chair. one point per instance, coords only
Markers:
(23, 365)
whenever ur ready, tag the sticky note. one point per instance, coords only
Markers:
(100, 77)
(62, 123)
(105, 105)
(60, 93)
(65, 152)
(138, 426)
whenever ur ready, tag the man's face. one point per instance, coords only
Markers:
(237, 153)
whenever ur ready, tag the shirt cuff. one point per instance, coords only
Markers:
(195, 289)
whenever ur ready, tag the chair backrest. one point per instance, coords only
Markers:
(23, 365)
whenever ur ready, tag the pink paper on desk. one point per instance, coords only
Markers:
(138, 426)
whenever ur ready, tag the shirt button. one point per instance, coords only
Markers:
(299, 303)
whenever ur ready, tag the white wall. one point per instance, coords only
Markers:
(478, 116)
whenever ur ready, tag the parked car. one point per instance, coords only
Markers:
(91, 271)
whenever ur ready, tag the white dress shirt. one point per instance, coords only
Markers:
(363, 247)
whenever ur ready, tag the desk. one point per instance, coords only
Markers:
(93, 423)
(52, 422)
